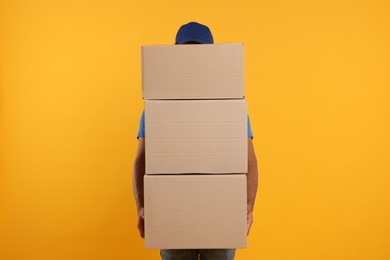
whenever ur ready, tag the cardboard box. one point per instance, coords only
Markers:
(196, 136)
(195, 211)
(196, 71)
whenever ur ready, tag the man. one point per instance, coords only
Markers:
(192, 33)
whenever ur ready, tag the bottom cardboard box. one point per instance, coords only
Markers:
(195, 211)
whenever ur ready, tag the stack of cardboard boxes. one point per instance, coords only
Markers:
(196, 146)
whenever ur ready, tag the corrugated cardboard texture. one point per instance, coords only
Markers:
(196, 136)
(195, 211)
(196, 71)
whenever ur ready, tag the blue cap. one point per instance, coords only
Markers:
(194, 32)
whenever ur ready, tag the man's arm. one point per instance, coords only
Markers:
(252, 181)
(138, 183)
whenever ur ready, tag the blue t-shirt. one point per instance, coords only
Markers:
(141, 130)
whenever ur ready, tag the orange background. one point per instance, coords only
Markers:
(317, 83)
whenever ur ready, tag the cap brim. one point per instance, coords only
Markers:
(197, 40)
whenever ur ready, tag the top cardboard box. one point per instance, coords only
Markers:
(193, 71)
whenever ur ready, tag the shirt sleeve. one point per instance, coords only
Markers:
(249, 129)
(141, 129)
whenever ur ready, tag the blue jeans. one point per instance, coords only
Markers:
(192, 254)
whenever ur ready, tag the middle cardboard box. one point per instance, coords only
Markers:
(196, 136)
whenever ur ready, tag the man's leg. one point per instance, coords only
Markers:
(179, 254)
(217, 254)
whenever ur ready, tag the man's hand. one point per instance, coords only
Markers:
(252, 181)
(138, 184)
(141, 222)
(249, 220)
